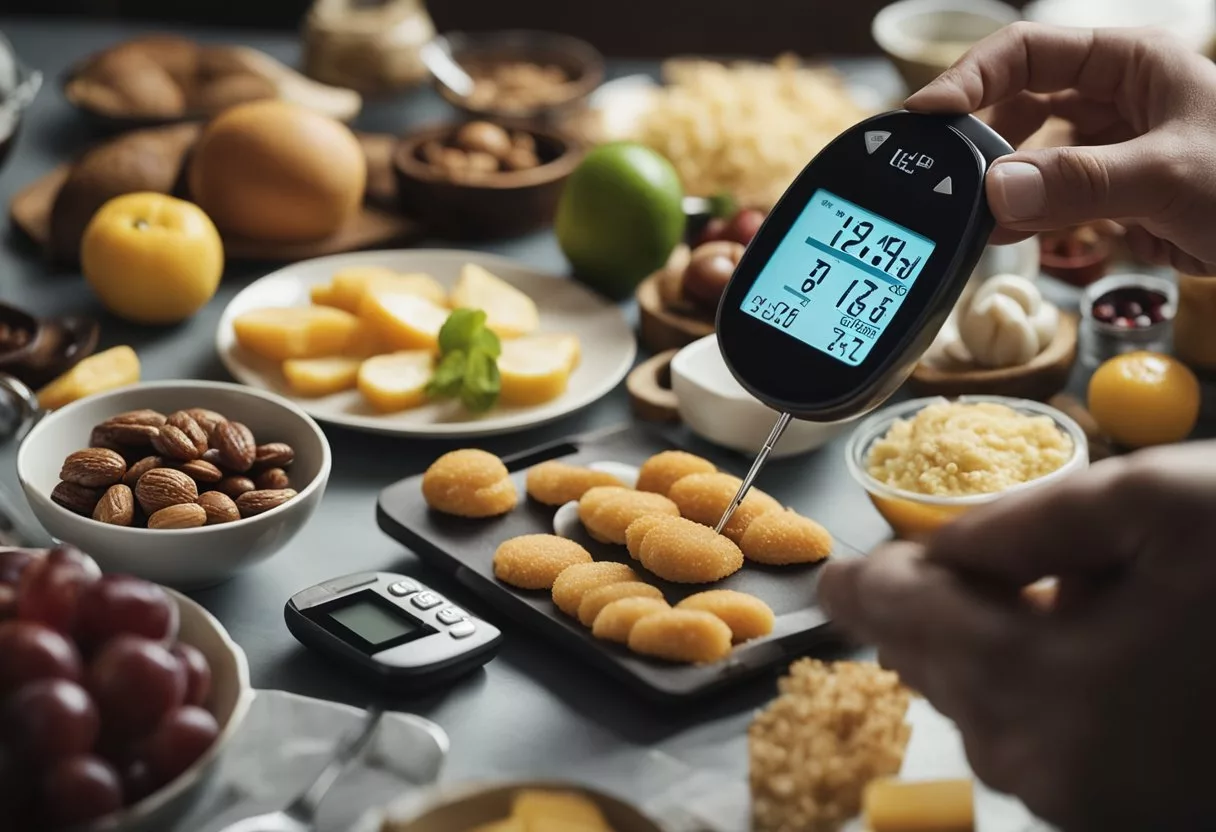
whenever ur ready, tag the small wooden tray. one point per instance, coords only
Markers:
(465, 548)
(659, 328)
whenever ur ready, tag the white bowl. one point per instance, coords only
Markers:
(231, 696)
(924, 37)
(182, 558)
(717, 408)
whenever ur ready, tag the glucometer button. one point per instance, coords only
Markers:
(450, 615)
(403, 588)
(875, 138)
(463, 630)
(944, 187)
(426, 600)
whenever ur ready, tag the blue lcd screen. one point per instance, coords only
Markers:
(838, 278)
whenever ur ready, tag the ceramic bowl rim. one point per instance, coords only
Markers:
(318, 481)
(888, 26)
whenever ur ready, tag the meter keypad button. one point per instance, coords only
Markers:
(426, 600)
(450, 615)
(403, 588)
(463, 629)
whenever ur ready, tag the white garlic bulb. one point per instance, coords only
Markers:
(1006, 322)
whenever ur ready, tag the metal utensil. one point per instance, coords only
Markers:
(301, 814)
(437, 57)
(779, 428)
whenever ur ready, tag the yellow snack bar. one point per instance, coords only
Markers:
(544, 811)
(892, 805)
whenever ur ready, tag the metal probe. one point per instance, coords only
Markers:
(779, 428)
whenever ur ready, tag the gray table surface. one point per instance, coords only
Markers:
(533, 710)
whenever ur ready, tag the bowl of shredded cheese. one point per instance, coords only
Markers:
(925, 461)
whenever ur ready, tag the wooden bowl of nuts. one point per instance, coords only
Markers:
(182, 482)
(481, 180)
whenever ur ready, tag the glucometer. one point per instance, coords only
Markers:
(855, 270)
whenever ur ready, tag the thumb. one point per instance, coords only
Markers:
(1050, 188)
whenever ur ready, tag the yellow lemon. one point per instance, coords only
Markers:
(1142, 398)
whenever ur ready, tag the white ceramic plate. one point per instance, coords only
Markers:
(608, 345)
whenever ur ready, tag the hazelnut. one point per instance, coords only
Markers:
(483, 137)
(523, 141)
(432, 153)
(481, 163)
(520, 159)
(709, 270)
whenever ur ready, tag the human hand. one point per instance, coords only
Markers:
(1099, 713)
(1144, 110)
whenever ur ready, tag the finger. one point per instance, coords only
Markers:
(1149, 248)
(1007, 236)
(1025, 114)
(1049, 188)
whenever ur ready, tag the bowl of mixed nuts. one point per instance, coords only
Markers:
(184, 483)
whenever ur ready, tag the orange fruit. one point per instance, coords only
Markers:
(1143, 398)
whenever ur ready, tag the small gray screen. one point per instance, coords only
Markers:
(372, 623)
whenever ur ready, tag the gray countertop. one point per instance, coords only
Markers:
(533, 710)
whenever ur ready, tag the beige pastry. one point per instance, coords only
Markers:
(469, 483)
(607, 511)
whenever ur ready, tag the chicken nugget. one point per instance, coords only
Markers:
(685, 552)
(660, 472)
(681, 636)
(533, 561)
(576, 581)
(784, 537)
(703, 498)
(616, 620)
(747, 616)
(600, 597)
(636, 531)
(469, 483)
(555, 483)
(606, 512)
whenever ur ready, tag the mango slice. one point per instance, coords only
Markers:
(295, 331)
(403, 321)
(116, 367)
(322, 294)
(313, 377)
(350, 285)
(536, 369)
(509, 312)
(396, 381)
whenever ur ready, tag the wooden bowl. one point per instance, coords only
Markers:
(1040, 379)
(661, 328)
(496, 205)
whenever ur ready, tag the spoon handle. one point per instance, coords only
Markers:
(304, 808)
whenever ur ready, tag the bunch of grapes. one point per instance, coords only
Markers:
(100, 705)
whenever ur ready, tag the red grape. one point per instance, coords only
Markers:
(136, 681)
(179, 740)
(30, 651)
(122, 604)
(51, 719)
(80, 789)
(743, 226)
(51, 587)
(712, 231)
(136, 781)
(13, 563)
(198, 673)
(8, 602)
(16, 795)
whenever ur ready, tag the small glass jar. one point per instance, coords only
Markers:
(1100, 341)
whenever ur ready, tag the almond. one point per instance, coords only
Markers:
(235, 445)
(76, 498)
(207, 419)
(173, 442)
(273, 455)
(252, 503)
(219, 507)
(201, 471)
(126, 433)
(273, 478)
(101, 438)
(184, 422)
(163, 487)
(141, 467)
(139, 417)
(116, 507)
(235, 486)
(182, 516)
(93, 468)
(211, 455)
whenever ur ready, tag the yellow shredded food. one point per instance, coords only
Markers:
(953, 449)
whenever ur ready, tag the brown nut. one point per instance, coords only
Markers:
(102, 438)
(235, 446)
(93, 468)
(116, 507)
(272, 478)
(235, 486)
(219, 507)
(125, 433)
(452, 162)
(432, 153)
(480, 163)
(207, 419)
(77, 499)
(174, 443)
(709, 270)
(520, 159)
(180, 516)
(523, 141)
(163, 487)
(483, 137)
(139, 417)
(273, 455)
(252, 503)
(186, 423)
(141, 467)
(201, 471)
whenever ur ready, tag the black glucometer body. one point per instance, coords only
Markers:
(857, 267)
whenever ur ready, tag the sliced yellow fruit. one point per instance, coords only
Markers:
(366, 342)
(350, 285)
(509, 312)
(403, 321)
(116, 367)
(322, 294)
(314, 377)
(295, 331)
(396, 381)
(536, 369)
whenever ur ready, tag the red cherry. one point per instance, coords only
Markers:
(30, 651)
(122, 604)
(743, 226)
(136, 681)
(50, 719)
(712, 231)
(80, 789)
(181, 738)
(1104, 312)
(198, 673)
(51, 587)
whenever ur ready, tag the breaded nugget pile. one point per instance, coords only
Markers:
(679, 550)
(784, 537)
(832, 729)
(704, 498)
(534, 561)
(469, 483)
(607, 510)
(576, 581)
(555, 483)
(660, 472)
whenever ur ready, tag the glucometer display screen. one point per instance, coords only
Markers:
(838, 277)
(372, 623)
